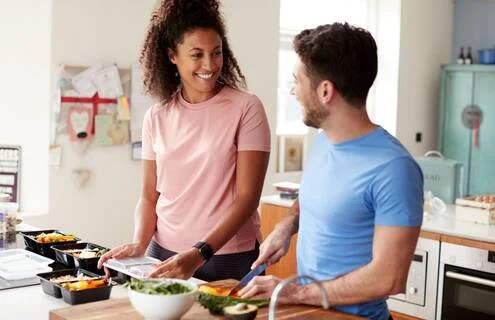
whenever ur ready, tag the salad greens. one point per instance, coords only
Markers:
(157, 287)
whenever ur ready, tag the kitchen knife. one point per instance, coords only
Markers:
(245, 280)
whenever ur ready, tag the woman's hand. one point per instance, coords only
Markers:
(181, 266)
(123, 251)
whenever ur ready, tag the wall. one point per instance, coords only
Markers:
(91, 31)
(385, 17)
(425, 44)
(254, 37)
(473, 26)
(84, 33)
(24, 93)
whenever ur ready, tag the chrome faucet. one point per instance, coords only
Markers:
(273, 299)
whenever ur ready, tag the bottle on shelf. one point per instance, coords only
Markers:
(469, 57)
(460, 58)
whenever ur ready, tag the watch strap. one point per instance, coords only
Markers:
(204, 249)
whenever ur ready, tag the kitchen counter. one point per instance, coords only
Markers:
(29, 303)
(443, 224)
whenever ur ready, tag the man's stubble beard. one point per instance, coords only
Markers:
(315, 113)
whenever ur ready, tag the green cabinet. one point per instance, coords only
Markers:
(467, 102)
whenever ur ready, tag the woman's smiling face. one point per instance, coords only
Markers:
(199, 61)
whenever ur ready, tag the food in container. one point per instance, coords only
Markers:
(94, 288)
(53, 237)
(42, 241)
(50, 281)
(80, 255)
(68, 277)
(86, 291)
(84, 284)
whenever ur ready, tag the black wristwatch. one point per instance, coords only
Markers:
(204, 249)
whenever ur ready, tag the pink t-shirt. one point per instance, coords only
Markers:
(195, 147)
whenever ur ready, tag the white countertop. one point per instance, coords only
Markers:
(276, 200)
(31, 303)
(444, 224)
(447, 224)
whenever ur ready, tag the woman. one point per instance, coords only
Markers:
(205, 150)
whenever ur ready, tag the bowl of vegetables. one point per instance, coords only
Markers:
(162, 299)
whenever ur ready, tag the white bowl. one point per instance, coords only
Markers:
(164, 307)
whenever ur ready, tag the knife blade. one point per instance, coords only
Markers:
(245, 280)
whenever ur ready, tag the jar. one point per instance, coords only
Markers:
(3, 198)
(9, 221)
(2, 224)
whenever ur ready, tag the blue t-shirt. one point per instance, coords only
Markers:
(347, 189)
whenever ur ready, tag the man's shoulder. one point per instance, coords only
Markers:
(388, 148)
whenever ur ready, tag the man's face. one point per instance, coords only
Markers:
(314, 113)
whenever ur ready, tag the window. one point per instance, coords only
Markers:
(289, 112)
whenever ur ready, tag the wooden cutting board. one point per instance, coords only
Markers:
(117, 309)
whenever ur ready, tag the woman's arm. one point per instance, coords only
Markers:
(250, 175)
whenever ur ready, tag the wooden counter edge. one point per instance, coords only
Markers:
(430, 235)
(468, 242)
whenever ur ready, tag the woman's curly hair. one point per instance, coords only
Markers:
(169, 22)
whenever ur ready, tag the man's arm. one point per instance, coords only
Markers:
(385, 274)
(276, 245)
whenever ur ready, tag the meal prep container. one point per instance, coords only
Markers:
(72, 261)
(43, 248)
(54, 289)
(89, 295)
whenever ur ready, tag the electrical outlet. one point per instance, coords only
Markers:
(419, 136)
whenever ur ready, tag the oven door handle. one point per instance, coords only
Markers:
(472, 279)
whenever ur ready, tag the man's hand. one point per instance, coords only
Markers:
(123, 251)
(181, 266)
(263, 286)
(274, 247)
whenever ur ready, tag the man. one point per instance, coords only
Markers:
(359, 211)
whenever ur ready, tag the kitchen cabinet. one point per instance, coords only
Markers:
(402, 316)
(467, 123)
(271, 215)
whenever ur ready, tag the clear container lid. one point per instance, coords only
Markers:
(16, 264)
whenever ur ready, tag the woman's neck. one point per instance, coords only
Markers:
(193, 96)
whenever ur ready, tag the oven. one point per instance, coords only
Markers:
(419, 298)
(466, 284)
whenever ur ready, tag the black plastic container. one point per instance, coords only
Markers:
(44, 248)
(72, 261)
(88, 295)
(54, 289)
